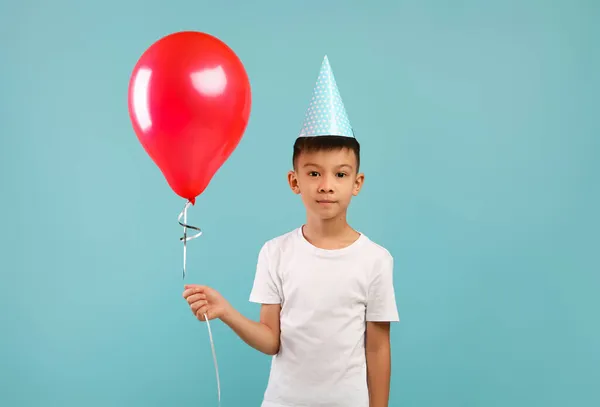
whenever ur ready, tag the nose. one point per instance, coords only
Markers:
(326, 185)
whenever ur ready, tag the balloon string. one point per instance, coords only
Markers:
(185, 239)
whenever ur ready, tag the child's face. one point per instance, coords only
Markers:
(326, 181)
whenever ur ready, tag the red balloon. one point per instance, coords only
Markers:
(189, 102)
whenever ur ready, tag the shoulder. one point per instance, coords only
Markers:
(281, 243)
(380, 266)
(377, 260)
(375, 251)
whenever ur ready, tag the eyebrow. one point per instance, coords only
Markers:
(318, 166)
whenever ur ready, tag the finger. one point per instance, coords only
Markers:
(198, 304)
(195, 297)
(188, 286)
(190, 291)
(193, 290)
(202, 312)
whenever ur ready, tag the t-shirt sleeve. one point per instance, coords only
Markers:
(267, 285)
(381, 301)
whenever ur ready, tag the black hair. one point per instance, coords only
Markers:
(326, 143)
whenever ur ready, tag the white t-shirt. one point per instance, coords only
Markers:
(326, 297)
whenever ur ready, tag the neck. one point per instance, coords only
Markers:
(326, 228)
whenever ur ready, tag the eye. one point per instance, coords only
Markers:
(313, 174)
(341, 174)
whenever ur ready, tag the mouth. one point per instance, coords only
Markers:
(325, 202)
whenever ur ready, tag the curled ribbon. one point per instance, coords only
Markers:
(185, 239)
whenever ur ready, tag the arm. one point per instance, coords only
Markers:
(378, 355)
(206, 302)
(381, 311)
(263, 335)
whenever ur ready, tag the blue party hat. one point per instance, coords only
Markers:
(326, 115)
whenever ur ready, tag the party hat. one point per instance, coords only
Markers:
(326, 115)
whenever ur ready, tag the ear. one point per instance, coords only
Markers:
(293, 181)
(358, 183)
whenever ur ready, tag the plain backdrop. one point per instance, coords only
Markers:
(480, 133)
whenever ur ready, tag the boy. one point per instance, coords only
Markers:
(326, 290)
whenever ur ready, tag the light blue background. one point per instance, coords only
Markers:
(480, 127)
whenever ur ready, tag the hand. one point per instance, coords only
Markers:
(204, 300)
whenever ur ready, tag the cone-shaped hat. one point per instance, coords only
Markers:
(326, 115)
